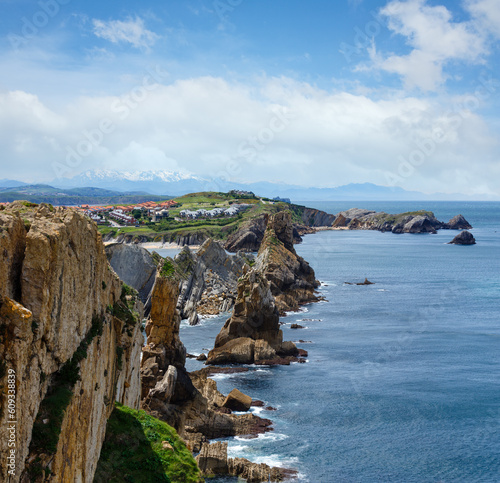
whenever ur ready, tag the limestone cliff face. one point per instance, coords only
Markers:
(212, 277)
(316, 218)
(249, 237)
(135, 266)
(291, 278)
(57, 301)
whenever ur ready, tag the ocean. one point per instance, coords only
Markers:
(402, 382)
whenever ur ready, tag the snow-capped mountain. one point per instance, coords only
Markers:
(155, 182)
(171, 183)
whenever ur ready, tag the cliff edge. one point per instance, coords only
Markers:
(70, 343)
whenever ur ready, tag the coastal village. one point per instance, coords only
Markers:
(155, 211)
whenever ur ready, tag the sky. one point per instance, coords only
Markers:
(320, 93)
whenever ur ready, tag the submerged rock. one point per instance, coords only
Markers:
(464, 238)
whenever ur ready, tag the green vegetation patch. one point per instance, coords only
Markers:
(168, 268)
(140, 448)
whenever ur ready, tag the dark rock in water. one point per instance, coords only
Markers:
(458, 223)
(202, 357)
(296, 326)
(366, 282)
(464, 238)
(258, 404)
(211, 370)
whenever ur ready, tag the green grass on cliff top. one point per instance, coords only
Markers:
(219, 228)
(133, 451)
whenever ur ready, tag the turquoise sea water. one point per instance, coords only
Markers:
(403, 378)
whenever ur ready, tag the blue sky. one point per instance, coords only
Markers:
(401, 92)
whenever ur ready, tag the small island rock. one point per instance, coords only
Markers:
(464, 238)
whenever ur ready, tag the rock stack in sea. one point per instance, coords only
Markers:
(280, 280)
(463, 238)
(292, 280)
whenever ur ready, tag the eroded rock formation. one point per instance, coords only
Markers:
(136, 267)
(190, 403)
(213, 460)
(211, 280)
(66, 330)
(292, 280)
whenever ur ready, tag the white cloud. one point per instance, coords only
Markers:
(435, 40)
(130, 31)
(200, 125)
(486, 14)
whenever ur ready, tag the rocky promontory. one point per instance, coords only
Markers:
(280, 281)
(409, 222)
(249, 236)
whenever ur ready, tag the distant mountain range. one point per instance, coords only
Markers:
(167, 183)
(40, 193)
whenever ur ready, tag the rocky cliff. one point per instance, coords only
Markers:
(316, 218)
(136, 267)
(249, 236)
(70, 343)
(292, 280)
(190, 403)
(210, 287)
(410, 222)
